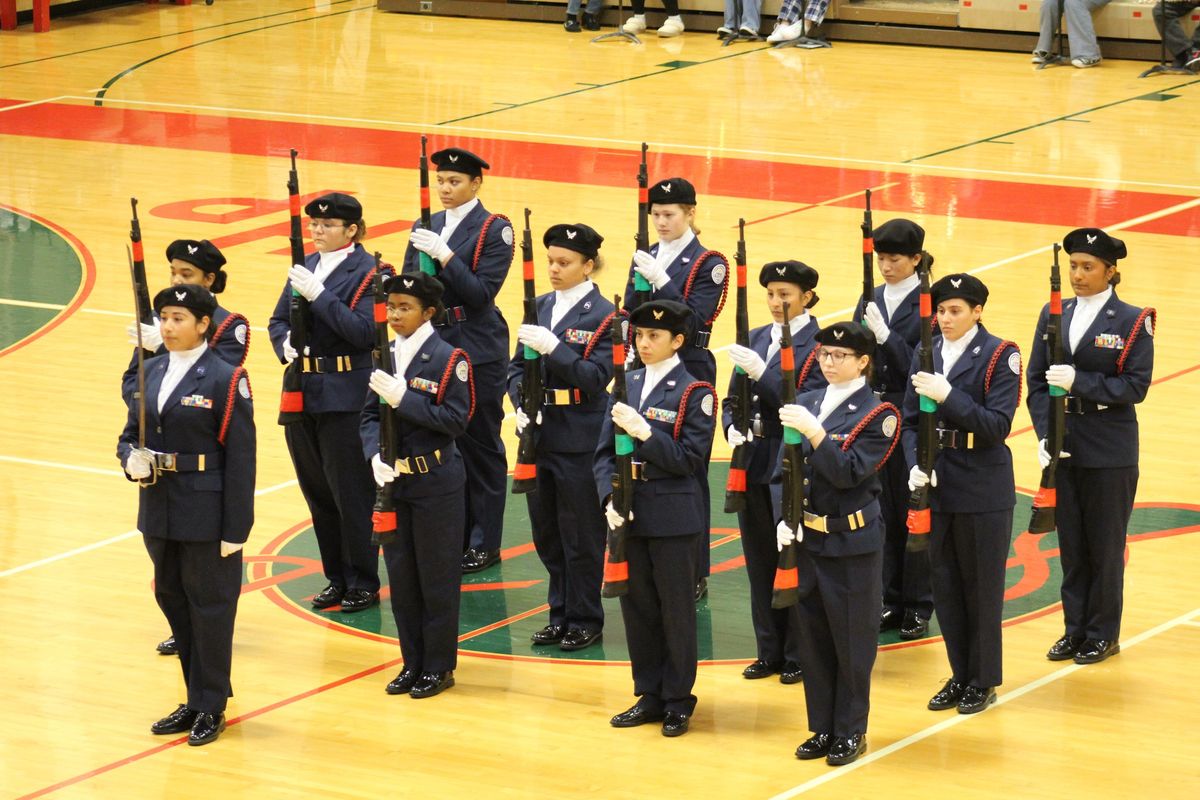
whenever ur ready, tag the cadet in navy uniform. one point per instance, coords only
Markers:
(1109, 349)
(572, 336)
(431, 399)
(977, 385)
(670, 418)
(197, 262)
(196, 515)
(776, 631)
(894, 318)
(679, 268)
(334, 477)
(474, 251)
(848, 435)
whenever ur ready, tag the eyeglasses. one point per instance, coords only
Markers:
(835, 356)
(325, 226)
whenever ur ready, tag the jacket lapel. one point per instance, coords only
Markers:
(575, 313)
(967, 359)
(187, 384)
(659, 393)
(1103, 319)
(908, 307)
(341, 275)
(468, 229)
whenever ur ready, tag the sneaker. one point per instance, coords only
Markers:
(787, 33)
(724, 33)
(1040, 57)
(635, 24)
(1079, 62)
(591, 22)
(1192, 61)
(673, 26)
(572, 24)
(747, 30)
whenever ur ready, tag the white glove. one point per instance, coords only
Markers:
(800, 418)
(614, 519)
(289, 352)
(648, 267)
(389, 387)
(631, 421)
(784, 535)
(229, 548)
(138, 464)
(384, 473)
(431, 244)
(523, 419)
(151, 335)
(305, 282)
(1044, 454)
(750, 362)
(735, 438)
(917, 479)
(932, 385)
(874, 319)
(539, 338)
(1062, 376)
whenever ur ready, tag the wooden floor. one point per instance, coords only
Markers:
(192, 109)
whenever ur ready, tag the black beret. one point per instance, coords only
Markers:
(455, 159)
(1094, 242)
(665, 314)
(848, 334)
(672, 190)
(899, 236)
(961, 286)
(187, 295)
(203, 254)
(578, 237)
(796, 272)
(420, 285)
(335, 206)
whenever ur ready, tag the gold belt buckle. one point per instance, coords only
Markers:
(422, 465)
(562, 397)
(970, 440)
(402, 466)
(811, 520)
(200, 463)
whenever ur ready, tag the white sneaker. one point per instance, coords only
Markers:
(787, 33)
(635, 24)
(1080, 62)
(746, 29)
(673, 26)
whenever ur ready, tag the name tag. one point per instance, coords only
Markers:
(576, 336)
(196, 401)
(423, 384)
(1110, 341)
(661, 414)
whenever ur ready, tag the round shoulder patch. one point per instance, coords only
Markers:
(239, 333)
(706, 405)
(244, 387)
(506, 234)
(889, 425)
(462, 371)
(718, 274)
(1149, 324)
(1014, 362)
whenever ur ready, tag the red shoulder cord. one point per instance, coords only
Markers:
(687, 287)
(1134, 333)
(987, 379)
(865, 421)
(448, 373)
(225, 326)
(807, 368)
(679, 415)
(384, 268)
(600, 332)
(238, 374)
(483, 232)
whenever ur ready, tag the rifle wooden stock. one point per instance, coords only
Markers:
(919, 520)
(868, 253)
(383, 517)
(735, 487)
(291, 404)
(616, 567)
(141, 288)
(1045, 502)
(424, 259)
(532, 391)
(786, 591)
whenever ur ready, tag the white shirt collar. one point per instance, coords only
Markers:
(328, 262)
(655, 374)
(836, 394)
(185, 358)
(894, 294)
(1093, 301)
(566, 299)
(951, 351)
(178, 364)
(1086, 311)
(407, 347)
(669, 251)
(456, 215)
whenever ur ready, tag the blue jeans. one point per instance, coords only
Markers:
(593, 6)
(751, 15)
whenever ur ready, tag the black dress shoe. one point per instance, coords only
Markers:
(1093, 651)
(359, 600)
(431, 683)
(816, 747)
(759, 669)
(572, 24)
(845, 749)
(638, 715)
(329, 597)
(948, 697)
(591, 22)
(675, 723)
(167, 647)
(889, 618)
(551, 634)
(177, 721)
(975, 700)
(479, 560)
(914, 626)
(578, 639)
(701, 589)
(790, 673)
(402, 683)
(1065, 648)
(206, 728)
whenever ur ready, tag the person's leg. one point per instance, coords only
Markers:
(404, 588)
(751, 15)
(948, 601)
(581, 528)
(1081, 31)
(349, 477)
(547, 538)
(1107, 500)
(984, 540)
(852, 603)
(485, 460)
(439, 569)
(642, 614)
(212, 585)
(757, 525)
(815, 12)
(1051, 11)
(302, 444)
(1073, 550)
(819, 658)
(674, 567)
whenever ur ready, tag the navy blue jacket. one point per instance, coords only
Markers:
(583, 361)
(1113, 367)
(343, 323)
(217, 504)
(979, 479)
(431, 415)
(705, 298)
(668, 503)
(230, 341)
(894, 357)
(483, 333)
(766, 396)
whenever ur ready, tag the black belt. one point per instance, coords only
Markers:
(418, 465)
(700, 339)
(564, 397)
(1077, 405)
(859, 519)
(954, 439)
(326, 364)
(766, 430)
(187, 462)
